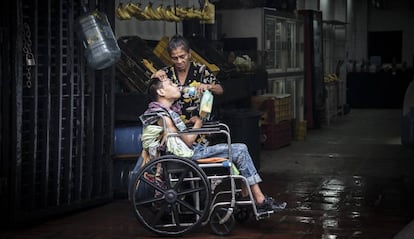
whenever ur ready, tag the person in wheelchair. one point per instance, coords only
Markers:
(163, 95)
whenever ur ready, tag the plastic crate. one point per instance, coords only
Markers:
(301, 130)
(275, 107)
(276, 135)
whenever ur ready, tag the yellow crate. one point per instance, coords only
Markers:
(160, 51)
(275, 107)
(301, 129)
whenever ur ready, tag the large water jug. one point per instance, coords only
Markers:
(101, 47)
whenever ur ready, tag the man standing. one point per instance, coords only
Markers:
(191, 77)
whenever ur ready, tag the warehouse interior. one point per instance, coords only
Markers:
(321, 91)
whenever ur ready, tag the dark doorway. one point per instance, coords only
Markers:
(386, 44)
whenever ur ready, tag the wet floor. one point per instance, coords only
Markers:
(351, 179)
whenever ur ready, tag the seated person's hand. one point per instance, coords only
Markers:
(196, 121)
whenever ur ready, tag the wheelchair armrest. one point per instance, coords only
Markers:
(205, 124)
(217, 129)
(216, 124)
(208, 123)
(202, 130)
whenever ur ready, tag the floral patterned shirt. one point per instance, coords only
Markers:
(190, 100)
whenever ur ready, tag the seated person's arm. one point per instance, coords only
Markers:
(187, 138)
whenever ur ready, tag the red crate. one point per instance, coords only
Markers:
(275, 136)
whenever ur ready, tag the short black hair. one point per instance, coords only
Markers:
(154, 84)
(178, 41)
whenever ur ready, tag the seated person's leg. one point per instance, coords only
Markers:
(244, 163)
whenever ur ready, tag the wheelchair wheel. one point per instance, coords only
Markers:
(171, 195)
(224, 228)
(242, 214)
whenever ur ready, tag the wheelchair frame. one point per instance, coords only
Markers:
(173, 195)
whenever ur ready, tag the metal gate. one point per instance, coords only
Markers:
(60, 128)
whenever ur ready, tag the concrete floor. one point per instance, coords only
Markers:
(351, 179)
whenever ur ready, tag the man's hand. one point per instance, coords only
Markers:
(160, 74)
(216, 89)
(203, 87)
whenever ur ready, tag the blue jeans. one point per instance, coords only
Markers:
(240, 157)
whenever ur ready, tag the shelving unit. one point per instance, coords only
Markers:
(335, 56)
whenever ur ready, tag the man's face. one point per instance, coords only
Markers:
(170, 90)
(181, 58)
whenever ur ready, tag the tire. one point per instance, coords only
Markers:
(174, 202)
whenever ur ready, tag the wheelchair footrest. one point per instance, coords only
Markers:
(264, 215)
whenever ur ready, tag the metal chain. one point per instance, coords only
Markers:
(27, 50)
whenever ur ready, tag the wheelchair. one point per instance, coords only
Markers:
(172, 195)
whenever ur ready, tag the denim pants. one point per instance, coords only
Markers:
(240, 157)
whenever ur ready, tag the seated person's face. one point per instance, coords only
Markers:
(170, 89)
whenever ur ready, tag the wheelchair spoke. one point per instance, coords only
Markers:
(153, 184)
(191, 191)
(159, 214)
(180, 180)
(189, 207)
(175, 214)
(148, 201)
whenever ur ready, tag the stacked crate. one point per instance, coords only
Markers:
(301, 129)
(276, 122)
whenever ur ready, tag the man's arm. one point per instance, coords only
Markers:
(211, 83)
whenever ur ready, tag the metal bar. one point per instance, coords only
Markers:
(72, 97)
(16, 104)
(60, 104)
(48, 108)
(36, 158)
(99, 116)
(67, 105)
(77, 134)
(83, 120)
(29, 121)
(90, 135)
(53, 196)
